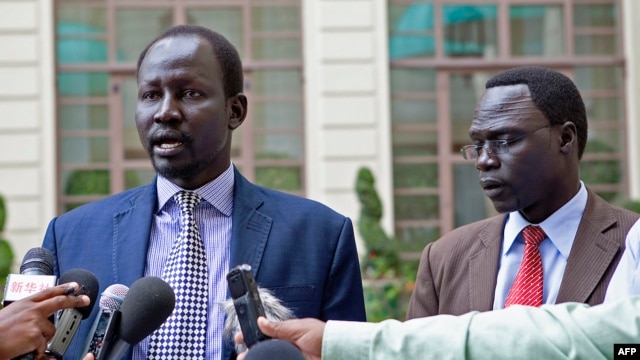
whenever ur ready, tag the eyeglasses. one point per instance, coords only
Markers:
(493, 147)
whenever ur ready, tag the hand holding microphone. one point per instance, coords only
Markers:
(25, 325)
(68, 320)
(248, 303)
(305, 334)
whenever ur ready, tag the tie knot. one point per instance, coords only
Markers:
(187, 201)
(533, 235)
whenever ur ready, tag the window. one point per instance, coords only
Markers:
(441, 54)
(98, 43)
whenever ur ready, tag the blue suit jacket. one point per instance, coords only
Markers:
(300, 249)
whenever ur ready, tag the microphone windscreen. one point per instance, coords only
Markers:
(37, 261)
(88, 286)
(148, 304)
(274, 349)
(113, 296)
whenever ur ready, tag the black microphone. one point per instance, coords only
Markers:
(148, 304)
(274, 349)
(36, 273)
(68, 320)
(104, 327)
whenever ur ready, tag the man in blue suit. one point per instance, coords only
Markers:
(189, 102)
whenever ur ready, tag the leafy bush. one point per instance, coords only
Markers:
(6, 252)
(388, 281)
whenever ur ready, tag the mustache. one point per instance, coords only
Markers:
(168, 135)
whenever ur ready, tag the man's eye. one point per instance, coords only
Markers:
(150, 96)
(191, 93)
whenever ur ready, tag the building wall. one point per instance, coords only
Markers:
(27, 120)
(632, 54)
(346, 101)
(346, 105)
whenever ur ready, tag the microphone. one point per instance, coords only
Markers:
(148, 304)
(274, 349)
(103, 329)
(36, 273)
(68, 320)
(274, 310)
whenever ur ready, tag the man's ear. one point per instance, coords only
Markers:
(568, 136)
(237, 108)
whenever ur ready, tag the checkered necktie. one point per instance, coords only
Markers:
(527, 287)
(183, 334)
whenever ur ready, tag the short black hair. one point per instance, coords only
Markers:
(553, 93)
(226, 54)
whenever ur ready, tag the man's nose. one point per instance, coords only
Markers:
(168, 110)
(486, 158)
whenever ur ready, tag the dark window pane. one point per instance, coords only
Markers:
(276, 82)
(84, 150)
(133, 178)
(280, 178)
(536, 30)
(275, 18)
(416, 207)
(596, 45)
(419, 111)
(604, 141)
(412, 80)
(226, 21)
(415, 176)
(604, 110)
(279, 146)
(414, 143)
(600, 172)
(135, 28)
(86, 182)
(277, 49)
(414, 238)
(128, 94)
(470, 203)
(595, 15)
(470, 30)
(83, 83)
(274, 115)
(411, 31)
(84, 117)
(598, 77)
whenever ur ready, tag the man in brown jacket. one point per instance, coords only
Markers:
(528, 135)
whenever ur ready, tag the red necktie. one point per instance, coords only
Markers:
(527, 287)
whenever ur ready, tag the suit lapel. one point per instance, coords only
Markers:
(591, 254)
(250, 226)
(132, 230)
(483, 264)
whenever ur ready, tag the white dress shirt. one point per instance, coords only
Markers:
(626, 278)
(561, 228)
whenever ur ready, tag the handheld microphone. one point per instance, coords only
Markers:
(274, 349)
(148, 304)
(274, 310)
(68, 320)
(36, 273)
(104, 327)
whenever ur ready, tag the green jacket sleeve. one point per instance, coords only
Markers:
(564, 331)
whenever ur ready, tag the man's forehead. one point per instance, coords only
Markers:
(505, 93)
(503, 107)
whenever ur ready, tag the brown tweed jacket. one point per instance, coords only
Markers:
(457, 273)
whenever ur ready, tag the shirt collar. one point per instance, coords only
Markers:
(561, 227)
(218, 192)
